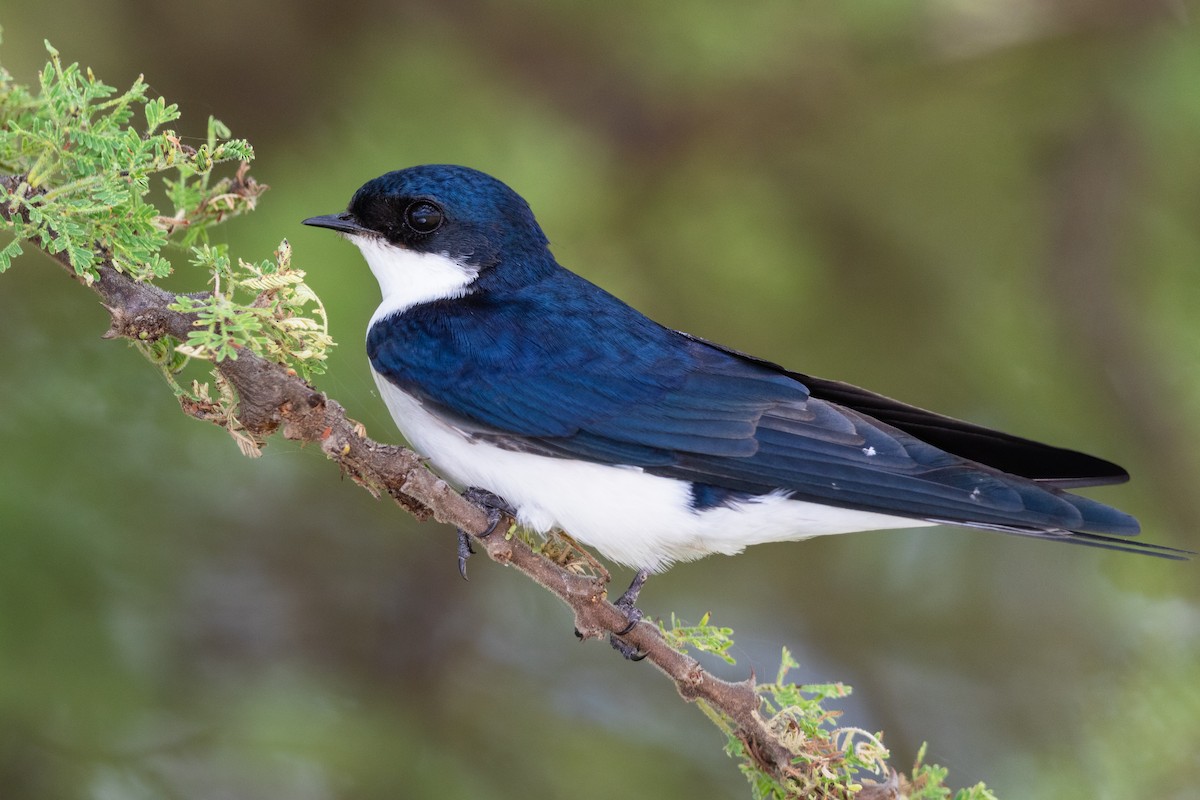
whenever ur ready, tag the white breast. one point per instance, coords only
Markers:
(629, 516)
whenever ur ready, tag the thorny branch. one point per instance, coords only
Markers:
(273, 399)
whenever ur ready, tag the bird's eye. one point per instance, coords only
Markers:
(423, 216)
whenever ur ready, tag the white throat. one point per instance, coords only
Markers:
(408, 278)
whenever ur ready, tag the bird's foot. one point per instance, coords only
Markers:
(627, 604)
(495, 507)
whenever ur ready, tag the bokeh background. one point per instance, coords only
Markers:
(988, 208)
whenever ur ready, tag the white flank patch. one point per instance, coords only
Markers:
(631, 517)
(408, 278)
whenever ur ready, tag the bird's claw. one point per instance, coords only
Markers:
(465, 551)
(495, 507)
(630, 652)
(627, 604)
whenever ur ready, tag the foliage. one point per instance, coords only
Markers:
(80, 168)
(830, 759)
(256, 306)
(701, 637)
(85, 163)
(929, 783)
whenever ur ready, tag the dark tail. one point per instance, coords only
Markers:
(1109, 543)
(1086, 539)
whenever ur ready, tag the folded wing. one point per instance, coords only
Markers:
(639, 395)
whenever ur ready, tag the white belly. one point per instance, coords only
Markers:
(629, 516)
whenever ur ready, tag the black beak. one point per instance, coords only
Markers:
(342, 223)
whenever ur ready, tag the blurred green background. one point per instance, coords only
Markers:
(988, 208)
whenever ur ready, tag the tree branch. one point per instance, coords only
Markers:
(273, 399)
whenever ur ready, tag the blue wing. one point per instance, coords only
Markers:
(564, 369)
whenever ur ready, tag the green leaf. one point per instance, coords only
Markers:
(158, 113)
(10, 251)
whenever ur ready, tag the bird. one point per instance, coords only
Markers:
(550, 399)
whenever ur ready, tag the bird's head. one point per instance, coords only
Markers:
(429, 232)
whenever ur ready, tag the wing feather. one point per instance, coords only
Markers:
(637, 394)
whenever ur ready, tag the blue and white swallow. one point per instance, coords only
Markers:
(559, 402)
